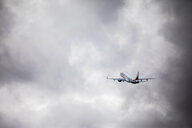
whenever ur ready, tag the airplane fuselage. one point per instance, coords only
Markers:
(128, 78)
(124, 76)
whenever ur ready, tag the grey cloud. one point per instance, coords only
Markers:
(8, 122)
(12, 70)
(178, 31)
(107, 9)
(6, 19)
(46, 33)
(10, 67)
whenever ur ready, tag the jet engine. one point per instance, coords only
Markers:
(119, 80)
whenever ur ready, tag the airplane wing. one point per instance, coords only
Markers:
(145, 79)
(118, 79)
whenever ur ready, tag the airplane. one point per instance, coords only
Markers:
(127, 78)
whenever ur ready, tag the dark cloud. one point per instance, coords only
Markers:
(11, 68)
(66, 49)
(178, 76)
(6, 19)
(107, 10)
(7, 122)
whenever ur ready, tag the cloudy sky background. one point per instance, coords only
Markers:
(55, 56)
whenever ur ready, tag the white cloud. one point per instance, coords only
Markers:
(69, 47)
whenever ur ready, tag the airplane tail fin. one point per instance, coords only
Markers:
(137, 76)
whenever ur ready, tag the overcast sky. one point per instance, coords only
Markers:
(55, 56)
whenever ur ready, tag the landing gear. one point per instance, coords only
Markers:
(119, 80)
